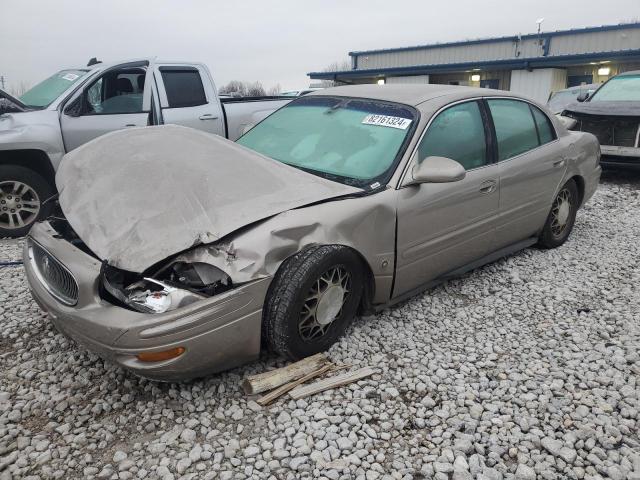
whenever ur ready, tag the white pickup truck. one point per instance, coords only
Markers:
(77, 105)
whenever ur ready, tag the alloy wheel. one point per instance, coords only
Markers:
(19, 204)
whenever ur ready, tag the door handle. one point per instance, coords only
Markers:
(208, 116)
(130, 125)
(559, 163)
(488, 186)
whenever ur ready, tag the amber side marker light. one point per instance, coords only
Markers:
(160, 356)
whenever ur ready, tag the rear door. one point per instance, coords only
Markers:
(444, 226)
(118, 98)
(188, 97)
(531, 166)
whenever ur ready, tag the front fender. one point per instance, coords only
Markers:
(366, 224)
(35, 130)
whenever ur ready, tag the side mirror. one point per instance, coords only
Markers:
(74, 109)
(582, 97)
(437, 170)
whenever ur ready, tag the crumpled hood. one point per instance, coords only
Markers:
(616, 109)
(139, 195)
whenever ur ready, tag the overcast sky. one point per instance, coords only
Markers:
(275, 42)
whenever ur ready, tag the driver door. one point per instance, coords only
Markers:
(119, 98)
(445, 226)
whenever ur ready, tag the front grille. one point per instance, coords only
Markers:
(54, 276)
(624, 134)
(609, 131)
(602, 129)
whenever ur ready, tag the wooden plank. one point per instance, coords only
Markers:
(274, 378)
(331, 382)
(278, 392)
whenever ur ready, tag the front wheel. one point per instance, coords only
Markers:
(313, 298)
(561, 217)
(22, 193)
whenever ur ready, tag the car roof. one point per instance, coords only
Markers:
(412, 95)
(632, 72)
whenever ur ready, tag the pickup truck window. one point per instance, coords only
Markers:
(352, 141)
(48, 90)
(117, 91)
(184, 87)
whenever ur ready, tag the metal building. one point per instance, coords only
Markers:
(534, 65)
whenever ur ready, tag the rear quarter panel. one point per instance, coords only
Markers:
(583, 162)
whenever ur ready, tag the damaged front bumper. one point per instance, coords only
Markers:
(620, 156)
(217, 333)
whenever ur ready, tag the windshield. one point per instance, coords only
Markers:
(353, 141)
(47, 91)
(561, 99)
(623, 88)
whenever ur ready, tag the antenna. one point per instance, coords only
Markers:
(539, 22)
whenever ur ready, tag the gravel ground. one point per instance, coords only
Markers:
(528, 368)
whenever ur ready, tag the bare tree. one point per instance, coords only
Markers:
(235, 88)
(238, 88)
(255, 89)
(275, 90)
(20, 89)
(335, 67)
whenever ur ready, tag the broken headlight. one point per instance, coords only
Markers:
(568, 121)
(177, 285)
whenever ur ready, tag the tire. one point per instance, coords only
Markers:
(16, 219)
(289, 326)
(555, 233)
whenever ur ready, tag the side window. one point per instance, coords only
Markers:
(117, 91)
(515, 130)
(545, 129)
(184, 87)
(457, 133)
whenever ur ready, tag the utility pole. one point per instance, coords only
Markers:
(2, 82)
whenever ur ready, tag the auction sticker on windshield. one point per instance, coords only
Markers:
(387, 121)
(70, 76)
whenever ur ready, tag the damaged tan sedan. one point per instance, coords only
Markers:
(180, 253)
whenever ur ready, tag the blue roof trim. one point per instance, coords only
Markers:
(512, 64)
(512, 38)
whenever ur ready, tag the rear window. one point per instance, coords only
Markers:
(184, 87)
(545, 130)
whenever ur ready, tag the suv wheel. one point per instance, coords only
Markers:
(22, 193)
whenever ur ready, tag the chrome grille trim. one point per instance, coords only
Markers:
(52, 274)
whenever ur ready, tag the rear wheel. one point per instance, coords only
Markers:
(313, 298)
(22, 193)
(561, 217)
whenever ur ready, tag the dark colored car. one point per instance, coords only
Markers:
(558, 101)
(612, 114)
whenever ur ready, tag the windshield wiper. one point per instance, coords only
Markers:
(338, 105)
